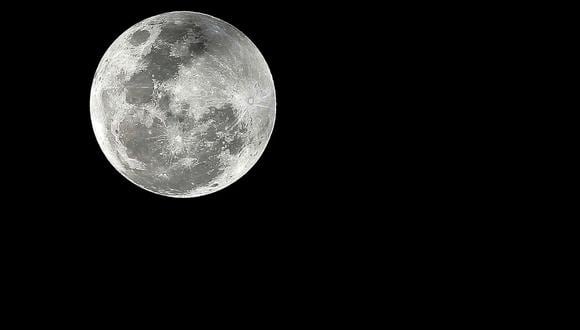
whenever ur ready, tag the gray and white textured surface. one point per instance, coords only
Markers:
(183, 104)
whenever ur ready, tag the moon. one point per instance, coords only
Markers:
(182, 104)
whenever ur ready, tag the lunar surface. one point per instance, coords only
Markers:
(183, 104)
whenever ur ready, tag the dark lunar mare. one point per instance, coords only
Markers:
(139, 37)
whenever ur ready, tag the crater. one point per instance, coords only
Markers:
(139, 37)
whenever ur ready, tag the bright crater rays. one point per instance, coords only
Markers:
(183, 104)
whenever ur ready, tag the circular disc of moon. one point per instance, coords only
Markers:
(182, 104)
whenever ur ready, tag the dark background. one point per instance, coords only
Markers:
(369, 167)
(344, 152)
(323, 67)
(376, 177)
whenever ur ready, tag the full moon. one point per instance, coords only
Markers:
(182, 104)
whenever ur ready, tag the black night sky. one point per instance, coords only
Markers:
(341, 75)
